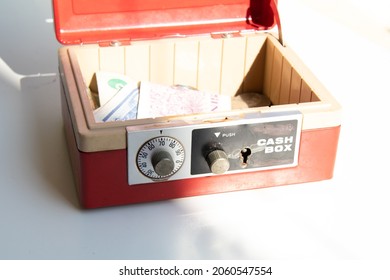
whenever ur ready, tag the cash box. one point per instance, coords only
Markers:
(230, 47)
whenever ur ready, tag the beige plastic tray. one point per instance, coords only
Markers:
(229, 66)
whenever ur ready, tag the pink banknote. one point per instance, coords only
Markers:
(157, 100)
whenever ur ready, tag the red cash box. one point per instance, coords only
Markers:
(226, 47)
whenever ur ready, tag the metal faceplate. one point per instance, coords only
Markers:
(173, 151)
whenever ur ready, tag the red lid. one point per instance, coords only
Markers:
(92, 21)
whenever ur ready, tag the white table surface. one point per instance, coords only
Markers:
(345, 43)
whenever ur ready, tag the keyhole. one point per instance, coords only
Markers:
(245, 153)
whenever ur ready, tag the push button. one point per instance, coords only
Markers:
(218, 161)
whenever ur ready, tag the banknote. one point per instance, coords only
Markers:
(157, 100)
(122, 106)
(108, 84)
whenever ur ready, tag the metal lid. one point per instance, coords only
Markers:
(103, 21)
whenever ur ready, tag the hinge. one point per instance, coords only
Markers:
(225, 35)
(115, 43)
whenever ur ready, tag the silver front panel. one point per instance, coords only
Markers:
(257, 141)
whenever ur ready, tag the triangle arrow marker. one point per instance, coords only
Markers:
(217, 134)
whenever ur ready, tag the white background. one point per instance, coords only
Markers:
(345, 43)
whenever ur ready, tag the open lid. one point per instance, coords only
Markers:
(102, 21)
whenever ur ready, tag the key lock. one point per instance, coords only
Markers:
(245, 153)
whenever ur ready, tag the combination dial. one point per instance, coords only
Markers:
(160, 157)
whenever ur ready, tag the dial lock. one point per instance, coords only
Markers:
(160, 157)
